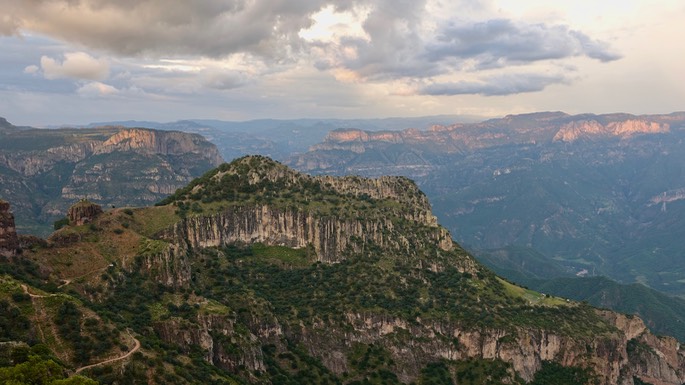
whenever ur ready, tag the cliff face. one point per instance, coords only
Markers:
(589, 129)
(330, 237)
(9, 242)
(111, 166)
(83, 212)
(159, 142)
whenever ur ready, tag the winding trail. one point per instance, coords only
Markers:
(105, 362)
(69, 281)
(128, 354)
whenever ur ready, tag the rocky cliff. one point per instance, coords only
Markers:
(9, 242)
(330, 236)
(589, 129)
(83, 212)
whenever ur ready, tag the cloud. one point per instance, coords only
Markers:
(501, 42)
(179, 46)
(97, 90)
(77, 65)
(224, 80)
(172, 27)
(8, 25)
(32, 69)
(496, 85)
(403, 41)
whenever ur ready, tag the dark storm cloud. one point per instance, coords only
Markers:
(168, 27)
(497, 85)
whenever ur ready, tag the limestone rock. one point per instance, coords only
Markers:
(83, 212)
(9, 242)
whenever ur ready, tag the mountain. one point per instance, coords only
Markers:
(255, 273)
(595, 194)
(43, 171)
(278, 138)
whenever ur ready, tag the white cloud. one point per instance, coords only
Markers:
(32, 69)
(97, 90)
(76, 65)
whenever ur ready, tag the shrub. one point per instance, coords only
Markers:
(60, 223)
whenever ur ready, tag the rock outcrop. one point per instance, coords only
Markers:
(593, 129)
(9, 241)
(331, 237)
(83, 212)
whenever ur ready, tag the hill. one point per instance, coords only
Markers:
(257, 273)
(43, 171)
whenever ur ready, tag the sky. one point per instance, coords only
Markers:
(81, 61)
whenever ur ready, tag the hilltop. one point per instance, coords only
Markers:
(257, 273)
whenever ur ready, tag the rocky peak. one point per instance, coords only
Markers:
(578, 129)
(9, 242)
(4, 124)
(264, 175)
(158, 142)
(83, 212)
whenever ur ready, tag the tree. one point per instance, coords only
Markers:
(37, 371)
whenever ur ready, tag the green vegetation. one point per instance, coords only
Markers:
(260, 180)
(38, 371)
(663, 314)
(360, 283)
(14, 326)
(371, 364)
(71, 325)
(553, 373)
(61, 223)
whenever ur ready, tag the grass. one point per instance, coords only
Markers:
(286, 255)
(531, 296)
(158, 311)
(149, 221)
(152, 247)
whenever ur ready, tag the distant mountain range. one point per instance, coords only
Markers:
(280, 139)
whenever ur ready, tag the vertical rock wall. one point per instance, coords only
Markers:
(9, 242)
